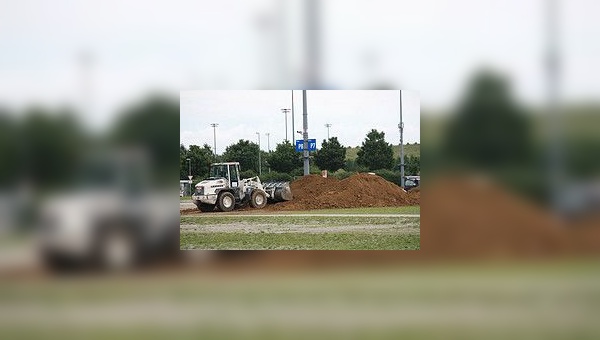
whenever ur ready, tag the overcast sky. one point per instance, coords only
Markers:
(240, 114)
(138, 46)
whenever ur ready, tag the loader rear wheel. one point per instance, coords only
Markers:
(226, 202)
(206, 207)
(258, 199)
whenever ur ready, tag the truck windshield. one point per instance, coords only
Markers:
(217, 171)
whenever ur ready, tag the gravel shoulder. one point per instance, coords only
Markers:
(407, 228)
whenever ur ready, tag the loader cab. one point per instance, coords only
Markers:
(229, 171)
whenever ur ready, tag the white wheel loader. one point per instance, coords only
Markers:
(225, 190)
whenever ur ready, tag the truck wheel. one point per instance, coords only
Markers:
(206, 207)
(226, 202)
(59, 264)
(117, 248)
(258, 199)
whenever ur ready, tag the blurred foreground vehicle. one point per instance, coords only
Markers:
(580, 199)
(111, 220)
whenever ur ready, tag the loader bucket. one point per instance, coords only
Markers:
(278, 191)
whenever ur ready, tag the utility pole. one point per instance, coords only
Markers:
(556, 176)
(313, 32)
(259, 163)
(327, 126)
(214, 125)
(285, 111)
(401, 128)
(293, 128)
(268, 141)
(305, 133)
(86, 61)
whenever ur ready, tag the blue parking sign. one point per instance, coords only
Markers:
(312, 145)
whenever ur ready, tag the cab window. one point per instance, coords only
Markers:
(234, 173)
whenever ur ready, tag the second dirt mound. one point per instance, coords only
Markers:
(356, 191)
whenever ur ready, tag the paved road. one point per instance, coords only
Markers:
(186, 205)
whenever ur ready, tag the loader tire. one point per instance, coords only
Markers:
(258, 199)
(117, 247)
(206, 207)
(226, 202)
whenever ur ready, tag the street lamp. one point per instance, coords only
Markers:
(327, 126)
(214, 125)
(293, 138)
(268, 141)
(259, 163)
(285, 111)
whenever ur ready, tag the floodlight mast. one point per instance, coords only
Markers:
(214, 125)
(401, 128)
(305, 134)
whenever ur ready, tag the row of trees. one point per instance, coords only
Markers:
(50, 148)
(284, 162)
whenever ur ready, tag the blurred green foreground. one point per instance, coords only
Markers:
(504, 301)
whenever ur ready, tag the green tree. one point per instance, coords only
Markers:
(152, 125)
(489, 129)
(53, 146)
(10, 164)
(332, 155)
(351, 166)
(183, 164)
(285, 158)
(245, 152)
(375, 153)
(200, 159)
(412, 165)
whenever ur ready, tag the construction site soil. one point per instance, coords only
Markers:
(474, 216)
(469, 218)
(357, 191)
(462, 216)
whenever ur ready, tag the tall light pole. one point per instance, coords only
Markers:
(557, 175)
(313, 43)
(214, 125)
(327, 126)
(190, 175)
(86, 63)
(268, 141)
(401, 128)
(305, 133)
(293, 128)
(259, 163)
(285, 111)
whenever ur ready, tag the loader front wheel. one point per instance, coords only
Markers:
(206, 207)
(258, 199)
(226, 202)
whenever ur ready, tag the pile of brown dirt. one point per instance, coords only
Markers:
(356, 191)
(468, 218)
(475, 217)
(471, 217)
